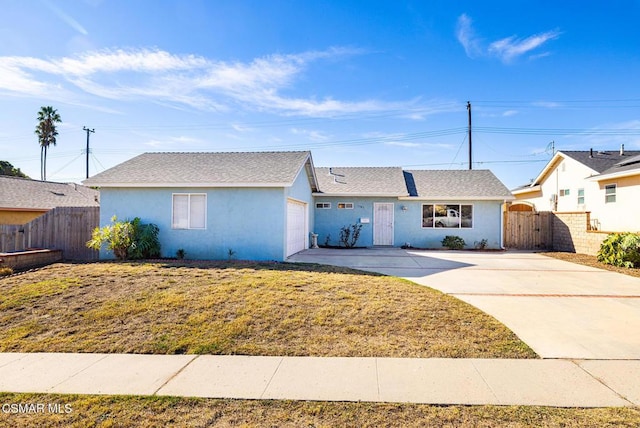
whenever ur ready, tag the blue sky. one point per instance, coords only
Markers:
(359, 83)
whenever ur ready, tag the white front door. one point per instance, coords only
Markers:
(383, 224)
(296, 227)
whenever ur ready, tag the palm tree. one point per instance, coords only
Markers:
(47, 133)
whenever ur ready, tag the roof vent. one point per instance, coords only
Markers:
(591, 153)
(621, 149)
(334, 175)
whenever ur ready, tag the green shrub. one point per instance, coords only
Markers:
(144, 240)
(453, 242)
(127, 239)
(621, 249)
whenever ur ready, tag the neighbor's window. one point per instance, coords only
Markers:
(580, 196)
(189, 211)
(610, 193)
(447, 215)
(323, 205)
(565, 192)
(345, 205)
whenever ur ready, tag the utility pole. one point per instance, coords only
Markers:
(470, 149)
(89, 131)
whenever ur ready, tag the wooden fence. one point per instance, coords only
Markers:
(528, 230)
(64, 228)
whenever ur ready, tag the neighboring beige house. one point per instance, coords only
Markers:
(604, 183)
(22, 200)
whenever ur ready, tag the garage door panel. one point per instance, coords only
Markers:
(296, 227)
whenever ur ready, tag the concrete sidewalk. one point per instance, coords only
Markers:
(561, 383)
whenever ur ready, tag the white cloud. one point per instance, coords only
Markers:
(467, 37)
(66, 18)
(507, 49)
(187, 80)
(312, 135)
(509, 113)
(172, 142)
(547, 104)
(402, 144)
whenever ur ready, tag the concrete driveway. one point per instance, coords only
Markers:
(560, 309)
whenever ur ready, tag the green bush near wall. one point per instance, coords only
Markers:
(621, 249)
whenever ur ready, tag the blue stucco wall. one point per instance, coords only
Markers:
(487, 217)
(407, 223)
(328, 222)
(250, 221)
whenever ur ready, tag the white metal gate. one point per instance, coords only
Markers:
(383, 224)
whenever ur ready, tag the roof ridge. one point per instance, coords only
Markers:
(361, 167)
(225, 152)
(64, 183)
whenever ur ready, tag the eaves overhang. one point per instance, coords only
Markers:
(613, 176)
(524, 190)
(457, 198)
(179, 185)
(357, 195)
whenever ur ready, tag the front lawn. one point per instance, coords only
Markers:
(118, 411)
(587, 260)
(241, 308)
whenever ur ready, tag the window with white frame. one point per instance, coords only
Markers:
(189, 211)
(580, 196)
(453, 216)
(610, 193)
(323, 205)
(345, 205)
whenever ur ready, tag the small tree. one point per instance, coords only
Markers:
(117, 236)
(127, 239)
(7, 169)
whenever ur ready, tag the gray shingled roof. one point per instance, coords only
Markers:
(209, 169)
(601, 161)
(630, 163)
(456, 184)
(378, 181)
(44, 195)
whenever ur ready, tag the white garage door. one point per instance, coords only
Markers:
(296, 227)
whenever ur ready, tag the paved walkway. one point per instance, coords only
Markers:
(562, 383)
(559, 309)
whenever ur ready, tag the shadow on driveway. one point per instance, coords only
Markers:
(388, 261)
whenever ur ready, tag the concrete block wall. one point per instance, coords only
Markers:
(29, 259)
(571, 232)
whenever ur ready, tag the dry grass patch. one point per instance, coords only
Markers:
(111, 411)
(241, 308)
(587, 260)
